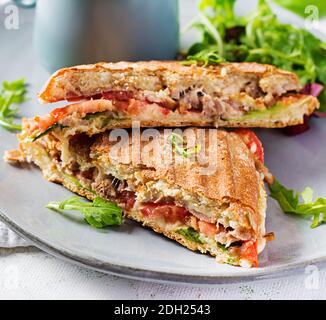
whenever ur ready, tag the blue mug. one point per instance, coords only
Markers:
(71, 32)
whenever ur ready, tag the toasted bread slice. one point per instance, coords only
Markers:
(168, 93)
(85, 81)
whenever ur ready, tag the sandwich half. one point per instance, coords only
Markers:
(169, 93)
(203, 188)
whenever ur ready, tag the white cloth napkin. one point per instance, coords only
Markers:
(9, 239)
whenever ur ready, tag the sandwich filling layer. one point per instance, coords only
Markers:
(161, 93)
(96, 116)
(175, 85)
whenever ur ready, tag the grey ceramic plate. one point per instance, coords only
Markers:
(131, 250)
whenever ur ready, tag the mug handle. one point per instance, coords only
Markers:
(25, 3)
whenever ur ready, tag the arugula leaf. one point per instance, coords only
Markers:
(206, 56)
(73, 180)
(190, 234)
(11, 93)
(77, 183)
(299, 6)
(178, 142)
(99, 213)
(260, 37)
(222, 247)
(289, 202)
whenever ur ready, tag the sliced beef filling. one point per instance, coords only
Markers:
(111, 188)
(248, 96)
(80, 144)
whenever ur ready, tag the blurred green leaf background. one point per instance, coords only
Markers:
(298, 6)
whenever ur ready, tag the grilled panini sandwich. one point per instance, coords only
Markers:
(209, 196)
(159, 93)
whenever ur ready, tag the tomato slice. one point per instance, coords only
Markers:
(208, 229)
(50, 119)
(118, 95)
(252, 142)
(170, 212)
(249, 252)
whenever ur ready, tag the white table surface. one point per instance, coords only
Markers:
(28, 273)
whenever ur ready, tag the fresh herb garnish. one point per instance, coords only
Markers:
(289, 202)
(178, 142)
(11, 93)
(259, 37)
(190, 234)
(99, 213)
(77, 183)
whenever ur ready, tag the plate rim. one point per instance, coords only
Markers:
(151, 275)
